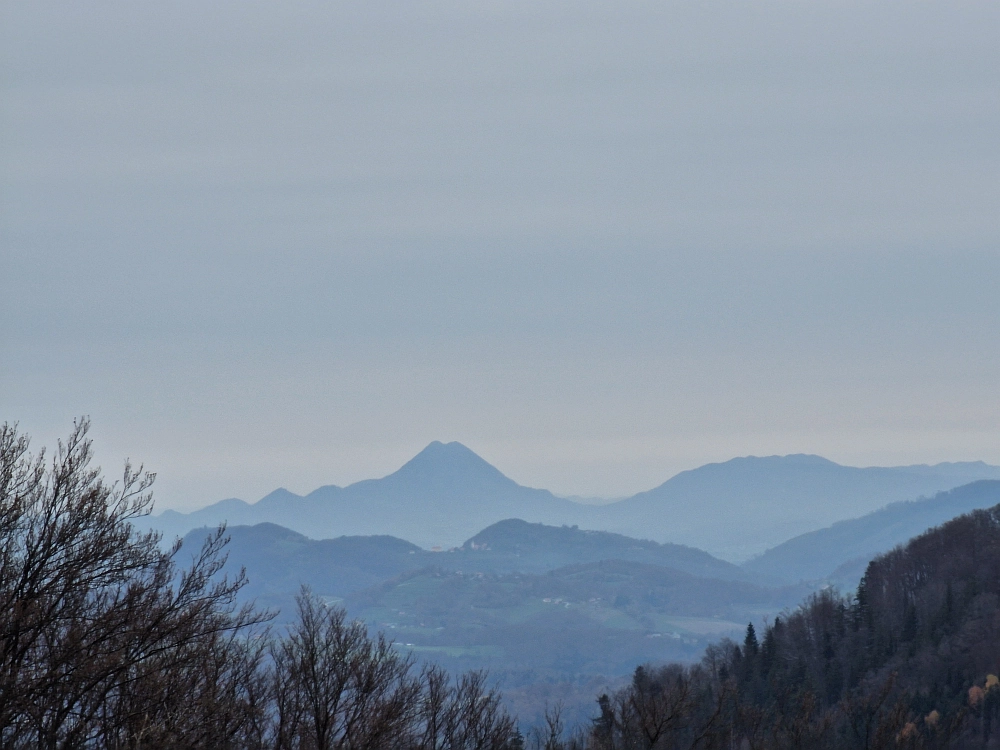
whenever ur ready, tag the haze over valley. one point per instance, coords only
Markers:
(520, 375)
(466, 567)
(537, 599)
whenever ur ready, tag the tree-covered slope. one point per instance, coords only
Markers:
(911, 661)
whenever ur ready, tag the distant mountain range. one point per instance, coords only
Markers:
(840, 553)
(279, 560)
(744, 506)
(441, 497)
(540, 604)
(734, 510)
(551, 602)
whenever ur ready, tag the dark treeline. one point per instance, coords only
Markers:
(106, 642)
(909, 662)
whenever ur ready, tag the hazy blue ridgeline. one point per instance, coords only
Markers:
(734, 510)
(537, 602)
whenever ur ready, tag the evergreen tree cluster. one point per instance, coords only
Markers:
(910, 661)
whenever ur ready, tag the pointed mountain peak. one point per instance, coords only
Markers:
(449, 462)
(436, 450)
(278, 497)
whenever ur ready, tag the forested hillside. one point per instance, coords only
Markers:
(910, 661)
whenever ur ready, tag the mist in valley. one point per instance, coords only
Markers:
(512, 375)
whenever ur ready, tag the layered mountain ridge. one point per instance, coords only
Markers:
(734, 510)
(441, 497)
(840, 553)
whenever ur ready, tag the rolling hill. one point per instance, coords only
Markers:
(515, 546)
(278, 560)
(557, 601)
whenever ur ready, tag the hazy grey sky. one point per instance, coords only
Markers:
(269, 244)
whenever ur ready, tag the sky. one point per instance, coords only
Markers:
(289, 244)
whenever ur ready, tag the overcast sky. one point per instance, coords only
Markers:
(288, 244)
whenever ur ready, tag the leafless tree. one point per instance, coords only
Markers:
(97, 616)
(337, 687)
(106, 642)
(464, 714)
